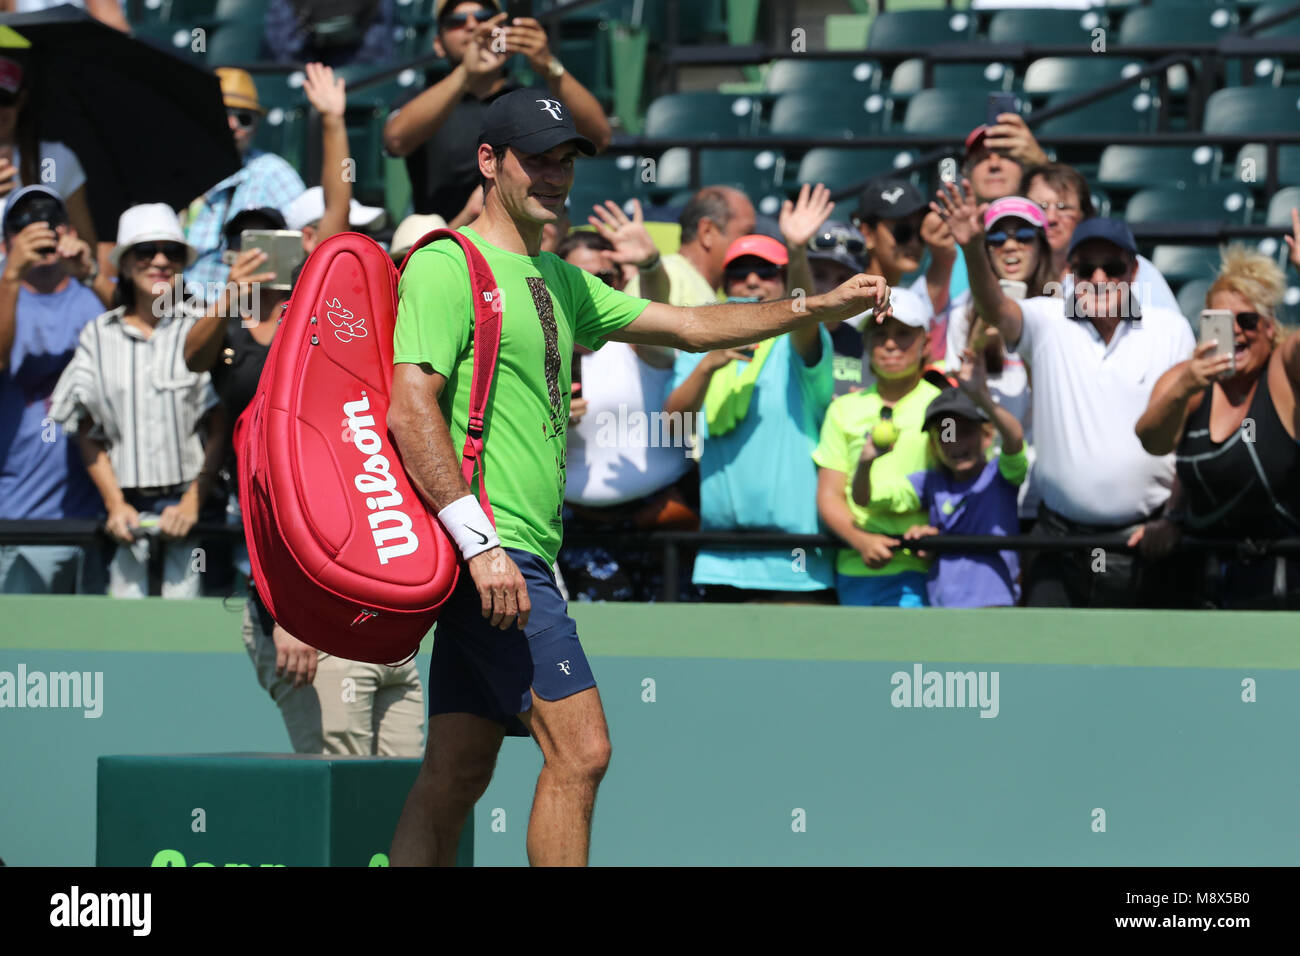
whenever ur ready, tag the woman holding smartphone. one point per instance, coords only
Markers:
(1232, 419)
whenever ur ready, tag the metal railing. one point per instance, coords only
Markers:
(672, 544)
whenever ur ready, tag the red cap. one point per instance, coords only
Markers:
(975, 138)
(11, 75)
(765, 247)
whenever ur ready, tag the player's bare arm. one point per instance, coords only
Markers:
(737, 325)
(430, 458)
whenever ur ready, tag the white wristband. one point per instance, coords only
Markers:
(469, 527)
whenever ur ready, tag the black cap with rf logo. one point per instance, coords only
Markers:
(532, 122)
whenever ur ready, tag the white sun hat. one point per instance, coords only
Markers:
(150, 222)
(310, 206)
(410, 231)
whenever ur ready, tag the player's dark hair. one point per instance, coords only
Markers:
(500, 153)
(711, 202)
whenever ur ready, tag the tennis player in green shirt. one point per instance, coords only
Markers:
(506, 656)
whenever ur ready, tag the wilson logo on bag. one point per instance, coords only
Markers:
(344, 552)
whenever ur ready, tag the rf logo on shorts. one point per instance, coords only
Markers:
(564, 666)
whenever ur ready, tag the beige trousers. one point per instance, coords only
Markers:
(350, 708)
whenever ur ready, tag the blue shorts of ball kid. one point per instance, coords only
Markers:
(480, 669)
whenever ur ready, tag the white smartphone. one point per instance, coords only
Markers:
(1014, 288)
(1217, 326)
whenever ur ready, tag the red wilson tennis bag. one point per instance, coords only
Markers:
(344, 552)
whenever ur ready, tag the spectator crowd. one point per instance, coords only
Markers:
(1032, 374)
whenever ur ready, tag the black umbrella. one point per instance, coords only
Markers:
(146, 125)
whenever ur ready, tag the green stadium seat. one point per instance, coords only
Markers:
(280, 89)
(834, 76)
(1222, 202)
(1253, 109)
(701, 116)
(945, 113)
(1179, 264)
(1288, 164)
(1191, 297)
(1056, 74)
(235, 43)
(838, 168)
(240, 11)
(1280, 206)
(284, 133)
(847, 31)
(148, 11)
(171, 37)
(1287, 28)
(413, 13)
(1128, 111)
(1042, 26)
(1175, 22)
(752, 171)
(1101, 200)
(1135, 167)
(908, 77)
(599, 178)
(920, 28)
(190, 13)
(816, 114)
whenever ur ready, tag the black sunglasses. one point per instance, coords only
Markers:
(148, 250)
(1114, 268)
(244, 119)
(1023, 236)
(853, 245)
(764, 270)
(454, 21)
(1249, 321)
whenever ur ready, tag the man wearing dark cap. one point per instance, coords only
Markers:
(506, 656)
(897, 226)
(1094, 358)
(434, 128)
(43, 307)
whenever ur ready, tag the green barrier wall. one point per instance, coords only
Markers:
(752, 734)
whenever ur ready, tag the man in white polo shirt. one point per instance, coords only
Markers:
(1095, 358)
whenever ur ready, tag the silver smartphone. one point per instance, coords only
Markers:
(1217, 326)
(283, 248)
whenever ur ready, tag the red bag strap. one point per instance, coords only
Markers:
(486, 297)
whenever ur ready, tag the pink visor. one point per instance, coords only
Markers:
(1016, 206)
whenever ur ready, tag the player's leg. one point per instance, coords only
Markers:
(458, 764)
(574, 739)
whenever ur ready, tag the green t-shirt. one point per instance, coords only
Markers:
(894, 507)
(547, 305)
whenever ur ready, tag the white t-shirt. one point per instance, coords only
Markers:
(1087, 398)
(618, 452)
(58, 162)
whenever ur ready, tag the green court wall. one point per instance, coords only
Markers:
(765, 735)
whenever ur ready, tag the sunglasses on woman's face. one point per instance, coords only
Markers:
(1249, 321)
(148, 251)
(764, 270)
(454, 21)
(1086, 268)
(244, 119)
(1023, 236)
(826, 241)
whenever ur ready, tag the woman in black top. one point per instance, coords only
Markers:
(1238, 471)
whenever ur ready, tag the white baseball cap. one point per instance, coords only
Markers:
(910, 309)
(150, 222)
(310, 206)
(410, 231)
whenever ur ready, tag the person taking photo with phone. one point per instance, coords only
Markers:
(1232, 420)
(1094, 361)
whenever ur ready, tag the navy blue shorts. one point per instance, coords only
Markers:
(480, 669)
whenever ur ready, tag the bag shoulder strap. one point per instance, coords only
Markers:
(486, 297)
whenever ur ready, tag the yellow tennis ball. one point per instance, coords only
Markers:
(884, 434)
